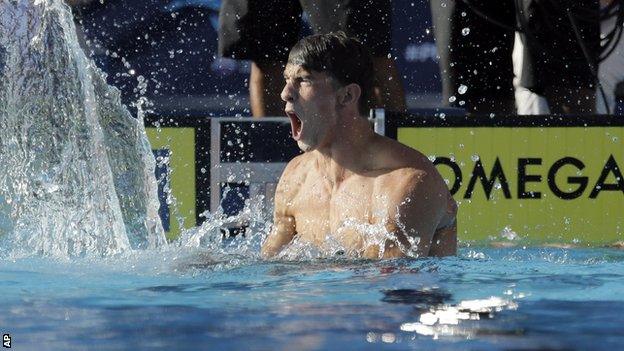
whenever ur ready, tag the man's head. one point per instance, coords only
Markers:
(343, 58)
(328, 78)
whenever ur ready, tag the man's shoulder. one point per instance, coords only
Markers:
(290, 181)
(297, 165)
(393, 154)
(416, 184)
(403, 178)
(295, 172)
(407, 170)
(402, 162)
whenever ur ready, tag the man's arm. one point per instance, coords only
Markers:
(417, 207)
(282, 233)
(284, 228)
(420, 211)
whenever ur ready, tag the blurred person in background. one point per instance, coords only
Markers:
(560, 51)
(610, 65)
(475, 55)
(263, 31)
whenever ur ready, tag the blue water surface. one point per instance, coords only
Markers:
(549, 299)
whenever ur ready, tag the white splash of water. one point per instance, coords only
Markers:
(209, 237)
(78, 170)
(362, 238)
(509, 234)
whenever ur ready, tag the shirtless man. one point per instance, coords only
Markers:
(352, 186)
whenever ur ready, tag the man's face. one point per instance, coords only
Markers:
(310, 98)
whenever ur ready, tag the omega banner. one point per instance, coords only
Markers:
(543, 179)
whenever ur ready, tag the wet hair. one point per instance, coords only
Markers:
(343, 58)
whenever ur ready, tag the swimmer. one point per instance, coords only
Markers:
(348, 173)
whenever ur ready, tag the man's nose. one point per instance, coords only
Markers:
(288, 94)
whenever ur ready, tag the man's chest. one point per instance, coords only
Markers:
(321, 208)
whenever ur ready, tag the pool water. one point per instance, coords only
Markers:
(485, 298)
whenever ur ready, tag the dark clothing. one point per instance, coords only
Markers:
(475, 53)
(552, 54)
(265, 30)
(475, 42)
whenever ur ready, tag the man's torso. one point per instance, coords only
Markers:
(354, 213)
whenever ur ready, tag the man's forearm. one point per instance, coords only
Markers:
(274, 244)
(271, 247)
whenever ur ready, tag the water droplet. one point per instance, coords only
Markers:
(465, 31)
(452, 98)
(371, 337)
(388, 338)
(462, 89)
(508, 233)
(474, 158)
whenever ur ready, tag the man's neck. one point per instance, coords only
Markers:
(348, 153)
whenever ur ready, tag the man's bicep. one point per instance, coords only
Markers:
(419, 215)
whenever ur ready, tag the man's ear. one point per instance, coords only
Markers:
(350, 95)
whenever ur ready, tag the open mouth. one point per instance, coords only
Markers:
(295, 124)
